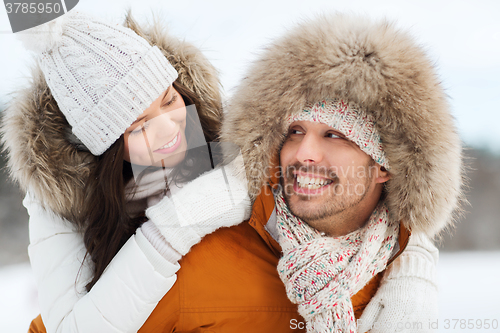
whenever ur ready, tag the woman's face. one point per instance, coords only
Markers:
(157, 137)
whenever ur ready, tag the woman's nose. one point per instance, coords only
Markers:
(163, 126)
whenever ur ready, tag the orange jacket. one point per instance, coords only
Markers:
(229, 283)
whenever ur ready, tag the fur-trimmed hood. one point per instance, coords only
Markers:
(382, 70)
(45, 160)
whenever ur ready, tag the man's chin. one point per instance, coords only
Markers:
(304, 207)
(309, 199)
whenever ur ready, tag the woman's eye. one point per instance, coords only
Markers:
(136, 131)
(332, 135)
(140, 129)
(172, 101)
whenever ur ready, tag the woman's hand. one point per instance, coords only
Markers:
(407, 298)
(218, 198)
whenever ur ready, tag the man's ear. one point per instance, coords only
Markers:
(381, 174)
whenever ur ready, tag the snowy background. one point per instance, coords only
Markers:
(462, 37)
(468, 289)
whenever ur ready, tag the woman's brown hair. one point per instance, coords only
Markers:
(104, 218)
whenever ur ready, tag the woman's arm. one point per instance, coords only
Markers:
(143, 271)
(408, 292)
(123, 298)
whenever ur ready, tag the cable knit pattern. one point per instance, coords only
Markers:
(348, 119)
(103, 76)
(321, 274)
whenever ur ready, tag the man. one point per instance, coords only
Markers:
(348, 116)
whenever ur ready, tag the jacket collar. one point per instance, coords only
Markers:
(262, 209)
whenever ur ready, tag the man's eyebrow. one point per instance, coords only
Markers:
(141, 118)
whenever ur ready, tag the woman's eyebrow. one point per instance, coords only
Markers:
(138, 120)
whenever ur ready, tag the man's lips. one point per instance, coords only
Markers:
(307, 183)
(170, 146)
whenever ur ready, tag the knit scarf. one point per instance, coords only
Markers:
(322, 273)
(148, 190)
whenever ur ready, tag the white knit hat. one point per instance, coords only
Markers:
(348, 119)
(102, 75)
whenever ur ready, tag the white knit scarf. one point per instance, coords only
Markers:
(322, 273)
(150, 184)
(149, 189)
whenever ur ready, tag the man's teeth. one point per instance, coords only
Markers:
(170, 144)
(312, 183)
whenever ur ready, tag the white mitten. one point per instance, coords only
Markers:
(407, 299)
(218, 198)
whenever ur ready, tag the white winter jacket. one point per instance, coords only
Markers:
(123, 298)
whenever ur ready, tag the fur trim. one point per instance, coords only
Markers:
(48, 162)
(383, 71)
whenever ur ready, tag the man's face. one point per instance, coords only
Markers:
(328, 181)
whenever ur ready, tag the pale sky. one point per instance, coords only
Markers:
(462, 37)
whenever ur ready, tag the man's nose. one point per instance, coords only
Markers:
(310, 149)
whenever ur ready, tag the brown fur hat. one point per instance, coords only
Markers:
(390, 77)
(44, 159)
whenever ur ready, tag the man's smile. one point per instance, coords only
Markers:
(309, 183)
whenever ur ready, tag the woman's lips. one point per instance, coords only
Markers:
(170, 146)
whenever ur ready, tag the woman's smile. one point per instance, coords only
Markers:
(170, 146)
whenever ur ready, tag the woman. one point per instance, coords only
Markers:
(102, 92)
